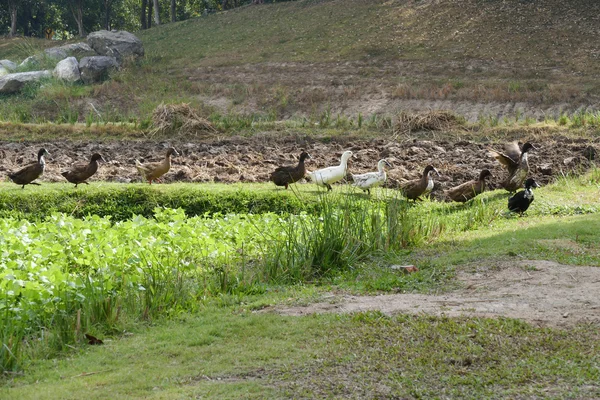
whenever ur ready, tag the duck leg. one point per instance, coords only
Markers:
(329, 188)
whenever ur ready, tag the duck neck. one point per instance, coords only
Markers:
(41, 160)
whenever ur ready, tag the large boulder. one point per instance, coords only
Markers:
(96, 68)
(8, 65)
(12, 83)
(56, 53)
(117, 44)
(67, 70)
(3, 71)
(78, 50)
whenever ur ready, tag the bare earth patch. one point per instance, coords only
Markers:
(252, 159)
(540, 292)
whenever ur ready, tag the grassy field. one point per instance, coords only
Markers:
(316, 356)
(187, 283)
(369, 58)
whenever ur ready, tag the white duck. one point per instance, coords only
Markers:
(372, 179)
(327, 176)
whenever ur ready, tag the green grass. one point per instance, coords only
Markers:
(233, 353)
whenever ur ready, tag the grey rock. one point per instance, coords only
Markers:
(590, 153)
(12, 83)
(68, 70)
(117, 44)
(29, 62)
(8, 65)
(77, 50)
(3, 71)
(96, 68)
(56, 53)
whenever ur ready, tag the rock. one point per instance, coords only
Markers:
(8, 65)
(3, 71)
(30, 62)
(96, 68)
(56, 53)
(589, 153)
(12, 83)
(545, 169)
(407, 269)
(117, 44)
(68, 70)
(570, 161)
(77, 50)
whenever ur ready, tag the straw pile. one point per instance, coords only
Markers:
(428, 121)
(179, 119)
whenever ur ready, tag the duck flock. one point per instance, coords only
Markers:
(513, 158)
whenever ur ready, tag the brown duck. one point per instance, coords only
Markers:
(79, 173)
(415, 188)
(153, 171)
(514, 159)
(468, 190)
(29, 173)
(283, 176)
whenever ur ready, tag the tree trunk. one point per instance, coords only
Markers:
(12, 8)
(107, 6)
(149, 16)
(77, 10)
(156, 13)
(173, 16)
(258, 1)
(143, 15)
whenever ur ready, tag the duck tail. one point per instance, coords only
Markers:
(65, 173)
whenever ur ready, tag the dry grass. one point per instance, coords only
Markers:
(427, 121)
(179, 119)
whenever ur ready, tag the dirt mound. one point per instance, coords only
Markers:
(252, 159)
(426, 121)
(541, 292)
(179, 119)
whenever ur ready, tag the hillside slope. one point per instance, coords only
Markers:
(309, 57)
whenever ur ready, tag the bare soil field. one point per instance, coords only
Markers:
(252, 159)
(540, 292)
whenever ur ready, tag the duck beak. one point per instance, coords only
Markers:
(388, 164)
(102, 159)
(437, 172)
(536, 185)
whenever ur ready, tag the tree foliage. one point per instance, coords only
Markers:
(71, 18)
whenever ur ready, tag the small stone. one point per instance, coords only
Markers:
(545, 169)
(565, 315)
(407, 269)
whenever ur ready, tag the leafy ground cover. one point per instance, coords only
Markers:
(64, 276)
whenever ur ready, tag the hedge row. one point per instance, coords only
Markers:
(121, 201)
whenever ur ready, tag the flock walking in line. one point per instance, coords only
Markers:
(513, 159)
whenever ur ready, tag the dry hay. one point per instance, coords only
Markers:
(179, 119)
(427, 121)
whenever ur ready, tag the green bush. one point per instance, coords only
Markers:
(121, 202)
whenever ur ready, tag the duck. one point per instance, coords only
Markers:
(283, 176)
(470, 189)
(79, 173)
(521, 201)
(412, 190)
(372, 179)
(29, 173)
(153, 171)
(327, 176)
(514, 159)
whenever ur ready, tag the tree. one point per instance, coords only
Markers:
(173, 17)
(143, 15)
(156, 13)
(107, 11)
(12, 9)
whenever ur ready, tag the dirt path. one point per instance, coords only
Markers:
(540, 292)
